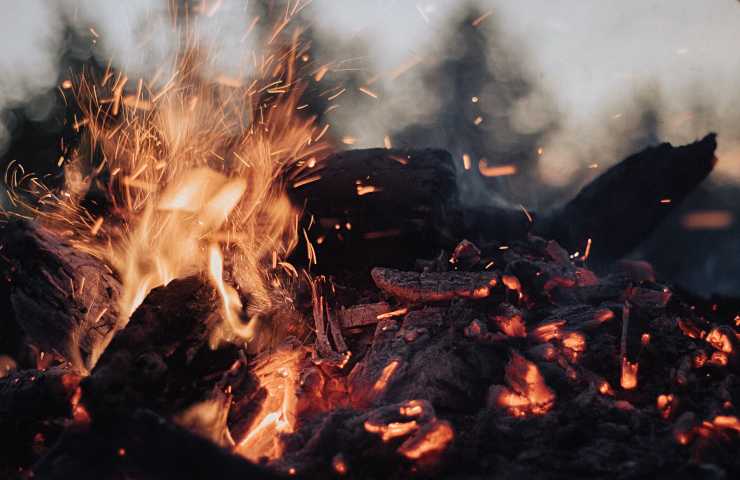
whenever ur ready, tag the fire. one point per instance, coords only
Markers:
(278, 374)
(194, 172)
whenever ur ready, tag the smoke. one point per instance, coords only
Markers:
(563, 89)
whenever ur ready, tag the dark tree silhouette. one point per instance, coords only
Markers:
(480, 64)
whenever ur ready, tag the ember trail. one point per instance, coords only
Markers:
(211, 288)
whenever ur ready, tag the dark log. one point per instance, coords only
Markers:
(396, 205)
(64, 299)
(33, 405)
(362, 315)
(379, 189)
(621, 207)
(385, 203)
(433, 286)
(142, 445)
(161, 360)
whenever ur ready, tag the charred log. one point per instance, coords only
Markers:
(142, 445)
(161, 360)
(432, 286)
(621, 207)
(64, 299)
(33, 407)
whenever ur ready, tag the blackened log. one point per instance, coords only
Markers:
(379, 188)
(621, 207)
(161, 360)
(30, 403)
(64, 299)
(433, 286)
(362, 315)
(385, 203)
(142, 445)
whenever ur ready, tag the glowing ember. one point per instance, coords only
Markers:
(665, 404)
(278, 374)
(391, 430)
(382, 382)
(720, 338)
(575, 341)
(528, 393)
(431, 439)
(628, 379)
(339, 464)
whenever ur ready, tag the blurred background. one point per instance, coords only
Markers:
(561, 89)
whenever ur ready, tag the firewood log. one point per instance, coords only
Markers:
(620, 208)
(65, 300)
(142, 444)
(396, 204)
(162, 359)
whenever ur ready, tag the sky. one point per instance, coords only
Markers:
(595, 60)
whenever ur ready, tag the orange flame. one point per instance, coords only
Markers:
(278, 374)
(194, 172)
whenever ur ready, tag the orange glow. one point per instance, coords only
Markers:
(365, 189)
(718, 359)
(391, 430)
(528, 393)
(719, 339)
(605, 388)
(645, 339)
(708, 220)
(278, 375)
(412, 408)
(665, 405)
(433, 438)
(547, 331)
(700, 358)
(339, 465)
(382, 382)
(511, 282)
(394, 313)
(495, 171)
(512, 326)
(727, 421)
(628, 379)
(575, 341)
(466, 161)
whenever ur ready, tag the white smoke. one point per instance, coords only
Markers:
(594, 58)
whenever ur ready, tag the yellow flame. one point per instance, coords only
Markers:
(278, 374)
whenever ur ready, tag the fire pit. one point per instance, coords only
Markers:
(212, 290)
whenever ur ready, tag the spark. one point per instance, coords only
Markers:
(477, 22)
(368, 92)
(495, 171)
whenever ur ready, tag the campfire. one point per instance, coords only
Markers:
(214, 290)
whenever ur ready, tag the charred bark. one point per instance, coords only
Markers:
(142, 445)
(161, 360)
(621, 207)
(33, 407)
(65, 300)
